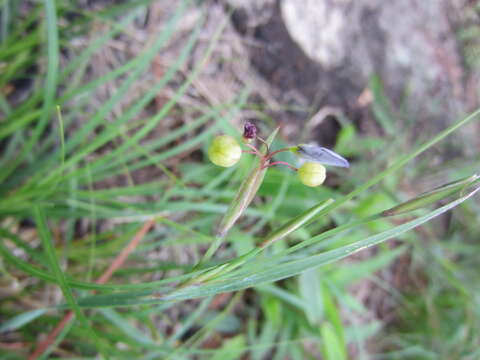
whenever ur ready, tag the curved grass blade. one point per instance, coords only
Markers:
(22, 319)
(432, 196)
(402, 161)
(80, 135)
(279, 234)
(414, 204)
(285, 270)
(273, 273)
(47, 243)
(50, 88)
(36, 272)
(295, 223)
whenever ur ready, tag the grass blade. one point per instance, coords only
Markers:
(281, 271)
(50, 252)
(50, 87)
(432, 196)
(21, 319)
(295, 223)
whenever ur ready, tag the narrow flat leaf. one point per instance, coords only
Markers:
(333, 314)
(331, 349)
(432, 196)
(232, 349)
(22, 319)
(50, 252)
(269, 274)
(311, 292)
(295, 223)
(245, 194)
(128, 329)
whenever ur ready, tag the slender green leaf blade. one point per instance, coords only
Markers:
(432, 196)
(245, 193)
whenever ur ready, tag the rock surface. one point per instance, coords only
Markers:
(410, 44)
(323, 53)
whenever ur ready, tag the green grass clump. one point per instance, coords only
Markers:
(71, 200)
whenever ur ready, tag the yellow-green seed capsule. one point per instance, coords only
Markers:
(224, 151)
(312, 174)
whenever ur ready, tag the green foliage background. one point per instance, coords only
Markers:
(292, 299)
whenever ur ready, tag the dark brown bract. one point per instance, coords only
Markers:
(249, 131)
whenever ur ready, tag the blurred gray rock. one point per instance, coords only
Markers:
(324, 52)
(410, 44)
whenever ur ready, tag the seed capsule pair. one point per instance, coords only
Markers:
(225, 151)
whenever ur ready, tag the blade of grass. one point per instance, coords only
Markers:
(432, 196)
(189, 321)
(198, 338)
(50, 88)
(5, 22)
(50, 252)
(58, 339)
(21, 319)
(332, 348)
(112, 129)
(274, 203)
(117, 263)
(93, 234)
(85, 55)
(295, 223)
(62, 135)
(126, 146)
(395, 166)
(292, 268)
(35, 272)
(233, 282)
(404, 160)
(46, 346)
(131, 331)
(279, 234)
(107, 167)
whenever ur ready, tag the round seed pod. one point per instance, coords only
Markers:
(224, 151)
(312, 174)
